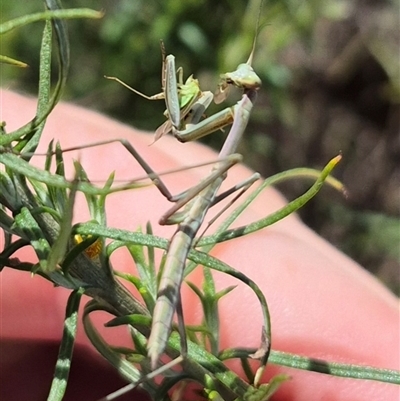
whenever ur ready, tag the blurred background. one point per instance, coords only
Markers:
(331, 83)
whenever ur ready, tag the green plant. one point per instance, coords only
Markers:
(37, 209)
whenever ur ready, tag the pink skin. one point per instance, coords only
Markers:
(322, 303)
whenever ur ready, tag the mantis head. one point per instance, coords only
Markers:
(243, 77)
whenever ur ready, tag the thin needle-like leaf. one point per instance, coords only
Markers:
(64, 358)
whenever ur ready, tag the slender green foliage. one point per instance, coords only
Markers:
(36, 210)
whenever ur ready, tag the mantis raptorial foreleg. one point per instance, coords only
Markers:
(186, 103)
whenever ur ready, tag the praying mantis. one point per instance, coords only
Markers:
(168, 293)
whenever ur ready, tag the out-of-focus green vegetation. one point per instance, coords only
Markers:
(330, 84)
